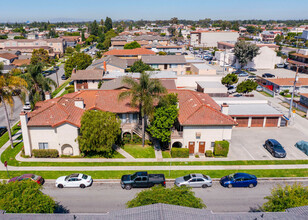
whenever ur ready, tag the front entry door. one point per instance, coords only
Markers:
(201, 147)
(191, 147)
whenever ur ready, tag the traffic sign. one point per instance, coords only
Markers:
(5, 163)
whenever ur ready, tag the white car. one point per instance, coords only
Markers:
(74, 180)
(27, 106)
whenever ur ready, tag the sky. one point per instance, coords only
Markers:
(87, 10)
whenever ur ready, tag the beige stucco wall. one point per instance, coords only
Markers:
(111, 68)
(180, 69)
(55, 137)
(208, 134)
(196, 71)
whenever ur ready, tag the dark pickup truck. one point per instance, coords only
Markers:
(142, 180)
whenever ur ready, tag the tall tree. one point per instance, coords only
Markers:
(40, 56)
(98, 132)
(80, 61)
(246, 86)
(174, 20)
(245, 52)
(132, 45)
(229, 79)
(139, 67)
(8, 84)
(94, 28)
(37, 83)
(143, 93)
(108, 24)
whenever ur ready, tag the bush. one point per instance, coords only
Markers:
(197, 156)
(136, 139)
(209, 153)
(179, 152)
(126, 138)
(70, 89)
(221, 148)
(45, 153)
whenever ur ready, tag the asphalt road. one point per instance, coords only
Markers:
(60, 72)
(104, 197)
(14, 116)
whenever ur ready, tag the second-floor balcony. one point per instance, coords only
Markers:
(175, 134)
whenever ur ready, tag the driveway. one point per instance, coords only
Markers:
(247, 143)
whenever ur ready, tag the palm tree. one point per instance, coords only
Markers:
(8, 84)
(37, 83)
(143, 93)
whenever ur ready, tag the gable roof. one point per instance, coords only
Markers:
(20, 62)
(197, 108)
(87, 75)
(110, 60)
(168, 59)
(130, 52)
(8, 56)
(289, 81)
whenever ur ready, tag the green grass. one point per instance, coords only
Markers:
(57, 90)
(115, 155)
(266, 94)
(5, 137)
(64, 93)
(137, 151)
(166, 154)
(173, 173)
(10, 154)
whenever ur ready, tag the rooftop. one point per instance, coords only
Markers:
(253, 109)
(289, 81)
(87, 75)
(8, 56)
(210, 84)
(203, 66)
(130, 52)
(168, 59)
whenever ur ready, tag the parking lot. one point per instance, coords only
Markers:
(247, 143)
(281, 73)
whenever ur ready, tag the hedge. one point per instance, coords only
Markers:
(221, 148)
(45, 153)
(179, 152)
(209, 153)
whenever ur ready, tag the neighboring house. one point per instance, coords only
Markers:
(71, 41)
(213, 89)
(175, 63)
(177, 50)
(118, 42)
(11, 36)
(269, 36)
(201, 122)
(304, 35)
(299, 59)
(55, 123)
(202, 69)
(210, 38)
(109, 63)
(7, 68)
(281, 84)
(32, 36)
(7, 58)
(23, 62)
(251, 112)
(222, 45)
(86, 79)
(130, 53)
(304, 99)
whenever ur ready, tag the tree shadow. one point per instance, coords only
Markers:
(61, 209)
(255, 209)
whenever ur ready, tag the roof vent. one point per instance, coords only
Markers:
(194, 105)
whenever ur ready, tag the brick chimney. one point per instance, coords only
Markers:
(225, 108)
(79, 102)
(105, 66)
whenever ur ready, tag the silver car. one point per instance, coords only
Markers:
(194, 180)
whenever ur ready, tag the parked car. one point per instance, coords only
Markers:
(184, 53)
(252, 77)
(243, 74)
(63, 77)
(231, 89)
(239, 180)
(55, 68)
(259, 88)
(2, 130)
(268, 75)
(302, 145)
(142, 180)
(275, 148)
(38, 179)
(251, 69)
(208, 58)
(280, 65)
(27, 106)
(74, 180)
(194, 180)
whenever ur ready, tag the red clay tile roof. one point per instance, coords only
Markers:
(8, 56)
(197, 108)
(20, 62)
(289, 81)
(136, 51)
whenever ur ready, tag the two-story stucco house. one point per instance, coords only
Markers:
(55, 123)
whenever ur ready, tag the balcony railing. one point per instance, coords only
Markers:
(176, 134)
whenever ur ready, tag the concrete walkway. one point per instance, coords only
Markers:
(125, 154)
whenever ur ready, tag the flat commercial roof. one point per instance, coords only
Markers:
(202, 66)
(210, 84)
(253, 110)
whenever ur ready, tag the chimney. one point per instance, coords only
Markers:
(47, 95)
(74, 71)
(25, 132)
(105, 66)
(79, 102)
(225, 108)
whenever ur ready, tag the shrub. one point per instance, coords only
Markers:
(221, 148)
(136, 139)
(209, 153)
(45, 153)
(180, 152)
(70, 89)
(126, 138)
(197, 156)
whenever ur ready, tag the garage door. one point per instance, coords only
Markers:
(242, 122)
(257, 122)
(271, 121)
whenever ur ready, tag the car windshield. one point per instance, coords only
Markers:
(84, 176)
(205, 177)
(278, 147)
(66, 178)
(133, 176)
(186, 178)
(231, 176)
(34, 177)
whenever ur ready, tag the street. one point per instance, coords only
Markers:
(104, 197)
(60, 72)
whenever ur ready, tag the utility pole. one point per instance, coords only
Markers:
(294, 86)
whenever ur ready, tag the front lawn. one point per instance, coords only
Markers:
(166, 154)
(5, 137)
(137, 151)
(173, 174)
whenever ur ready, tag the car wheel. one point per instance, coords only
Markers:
(60, 186)
(230, 186)
(128, 187)
(251, 185)
(82, 186)
(204, 186)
